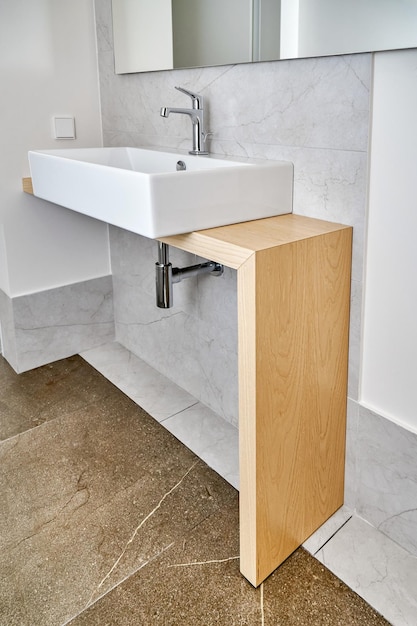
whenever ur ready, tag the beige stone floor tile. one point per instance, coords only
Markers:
(32, 398)
(107, 519)
(77, 496)
(174, 590)
(198, 583)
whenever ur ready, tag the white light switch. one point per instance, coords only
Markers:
(64, 128)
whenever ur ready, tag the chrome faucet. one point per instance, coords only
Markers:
(197, 119)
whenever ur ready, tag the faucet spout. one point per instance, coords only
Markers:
(196, 115)
(193, 113)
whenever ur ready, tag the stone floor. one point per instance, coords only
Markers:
(107, 519)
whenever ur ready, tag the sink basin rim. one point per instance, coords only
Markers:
(223, 191)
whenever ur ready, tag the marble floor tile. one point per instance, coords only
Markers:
(210, 437)
(157, 395)
(198, 583)
(106, 518)
(87, 500)
(216, 442)
(387, 477)
(40, 395)
(378, 569)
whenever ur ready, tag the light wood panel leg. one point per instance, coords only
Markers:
(293, 343)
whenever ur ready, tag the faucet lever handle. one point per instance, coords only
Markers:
(195, 97)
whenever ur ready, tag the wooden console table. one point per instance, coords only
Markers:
(293, 277)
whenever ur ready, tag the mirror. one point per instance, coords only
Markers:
(151, 35)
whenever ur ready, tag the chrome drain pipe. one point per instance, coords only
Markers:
(163, 278)
(166, 275)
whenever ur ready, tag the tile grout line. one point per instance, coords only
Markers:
(102, 369)
(168, 417)
(333, 535)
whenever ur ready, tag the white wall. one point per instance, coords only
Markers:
(48, 66)
(389, 366)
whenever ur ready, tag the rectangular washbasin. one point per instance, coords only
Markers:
(141, 190)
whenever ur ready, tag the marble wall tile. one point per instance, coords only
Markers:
(376, 568)
(320, 103)
(387, 478)
(310, 102)
(103, 17)
(351, 454)
(210, 437)
(147, 387)
(355, 338)
(57, 323)
(192, 344)
(7, 330)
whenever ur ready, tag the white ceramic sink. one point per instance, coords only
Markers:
(142, 191)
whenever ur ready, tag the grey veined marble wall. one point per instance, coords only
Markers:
(45, 326)
(195, 342)
(313, 112)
